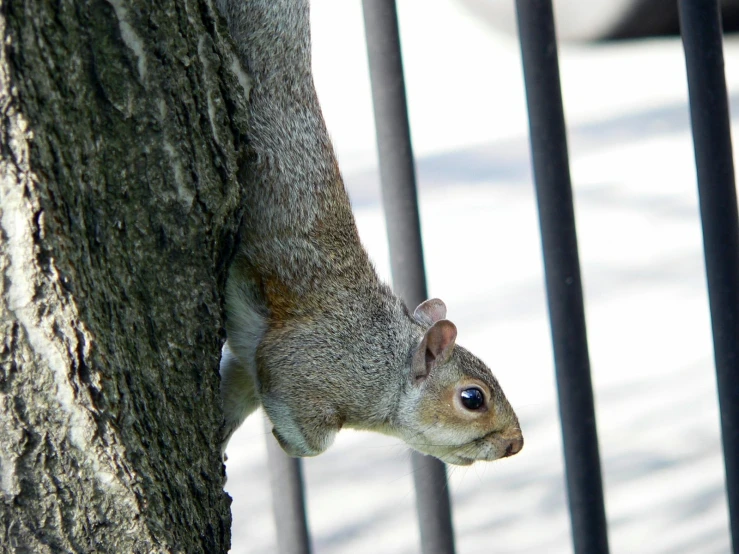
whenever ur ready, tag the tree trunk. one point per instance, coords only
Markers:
(123, 128)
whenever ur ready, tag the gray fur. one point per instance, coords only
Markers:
(323, 342)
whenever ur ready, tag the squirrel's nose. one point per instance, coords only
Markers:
(514, 447)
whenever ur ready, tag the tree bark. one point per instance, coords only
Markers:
(123, 129)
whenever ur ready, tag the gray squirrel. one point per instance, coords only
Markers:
(313, 335)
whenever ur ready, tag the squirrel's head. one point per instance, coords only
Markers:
(453, 408)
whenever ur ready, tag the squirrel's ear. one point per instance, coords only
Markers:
(435, 348)
(430, 311)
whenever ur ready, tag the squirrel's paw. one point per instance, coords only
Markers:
(289, 449)
(301, 448)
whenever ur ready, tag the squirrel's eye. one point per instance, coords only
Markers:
(472, 399)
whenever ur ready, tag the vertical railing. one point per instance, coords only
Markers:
(700, 26)
(288, 498)
(400, 202)
(562, 270)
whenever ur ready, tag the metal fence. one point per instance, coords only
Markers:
(702, 40)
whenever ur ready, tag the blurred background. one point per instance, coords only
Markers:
(633, 175)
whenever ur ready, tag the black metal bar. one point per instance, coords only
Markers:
(432, 503)
(700, 25)
(397, 171)
(288, 502)
(562, 269)
(400, 201)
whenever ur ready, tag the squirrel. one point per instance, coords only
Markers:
(313, 335)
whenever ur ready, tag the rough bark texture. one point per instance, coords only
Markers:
(122, 128)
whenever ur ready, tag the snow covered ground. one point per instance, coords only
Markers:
(640, 246)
